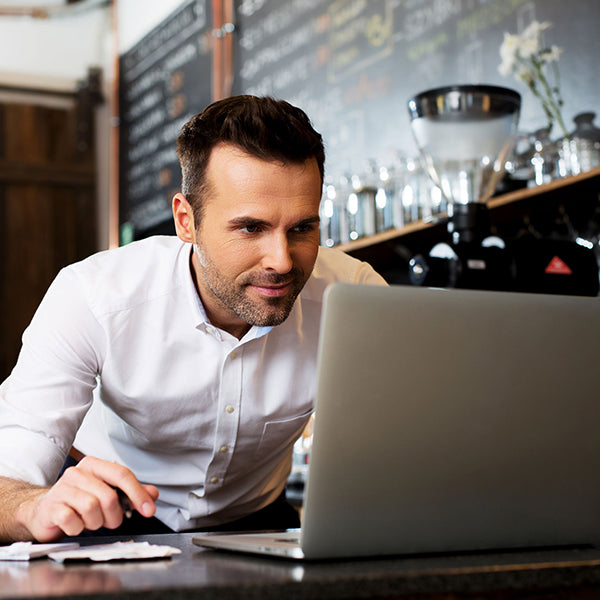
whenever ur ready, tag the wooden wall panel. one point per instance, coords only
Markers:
(47, 210)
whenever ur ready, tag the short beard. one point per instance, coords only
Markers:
(268, 313)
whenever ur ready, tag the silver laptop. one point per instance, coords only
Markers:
(448, 420)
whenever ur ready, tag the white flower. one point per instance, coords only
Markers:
(505, 68)
(535, 29)
(509, 46)
(508, 53)
(551, 54)
(525, 57)
(529, 47)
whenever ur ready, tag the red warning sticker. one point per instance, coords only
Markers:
(558, 267)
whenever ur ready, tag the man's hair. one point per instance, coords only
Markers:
(268, 129)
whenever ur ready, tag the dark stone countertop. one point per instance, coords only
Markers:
(207, 574)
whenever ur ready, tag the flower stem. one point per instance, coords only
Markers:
(553, 104)
(549, 102)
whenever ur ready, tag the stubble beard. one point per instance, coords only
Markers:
(263, 312)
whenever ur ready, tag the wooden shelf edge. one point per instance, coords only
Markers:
(495, 202)
(385, 236)
(541, 189)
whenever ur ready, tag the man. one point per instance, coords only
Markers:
(181, 368)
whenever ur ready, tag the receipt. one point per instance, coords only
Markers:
(29, 550)
(115, 551)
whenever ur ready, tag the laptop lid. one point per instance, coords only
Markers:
(453, 420)
(449, 420)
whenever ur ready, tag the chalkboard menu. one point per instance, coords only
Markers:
(353, 64)
(164, 80)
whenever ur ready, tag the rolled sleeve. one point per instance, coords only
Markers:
(45, 398)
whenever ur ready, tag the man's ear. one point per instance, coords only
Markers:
(183, 215)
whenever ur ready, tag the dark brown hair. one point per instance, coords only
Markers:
(269, 129)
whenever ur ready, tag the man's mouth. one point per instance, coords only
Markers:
(272, 290)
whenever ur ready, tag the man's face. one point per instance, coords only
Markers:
(258, 239)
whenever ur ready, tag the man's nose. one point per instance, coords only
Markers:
(277, 254)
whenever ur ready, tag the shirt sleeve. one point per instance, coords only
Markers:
(367, 275)
(44, 400)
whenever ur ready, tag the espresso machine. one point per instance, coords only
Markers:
(465, 135)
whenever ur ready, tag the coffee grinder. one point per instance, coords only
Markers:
(465, 134)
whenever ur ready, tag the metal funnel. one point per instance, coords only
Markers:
(465, 134)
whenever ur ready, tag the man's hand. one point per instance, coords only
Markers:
(85, 497)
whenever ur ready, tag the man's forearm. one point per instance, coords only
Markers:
(16, 499)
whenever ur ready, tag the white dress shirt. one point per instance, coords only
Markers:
(121, 361)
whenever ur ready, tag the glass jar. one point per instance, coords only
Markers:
(586, 141)
(544, 156)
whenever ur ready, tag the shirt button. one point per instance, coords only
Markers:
(223, 449)
(229, 408)
(234, 354)
(214, 479)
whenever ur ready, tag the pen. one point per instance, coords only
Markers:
(125, 503)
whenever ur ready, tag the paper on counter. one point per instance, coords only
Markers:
(115, 551)
(29, 550)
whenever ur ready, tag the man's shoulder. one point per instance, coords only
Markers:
(333, 266)
(134, 258)
(142, 269)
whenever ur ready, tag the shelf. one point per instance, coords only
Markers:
(539, 190)
(384, 236)
(496, 202)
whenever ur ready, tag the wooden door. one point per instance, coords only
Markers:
(47, 208)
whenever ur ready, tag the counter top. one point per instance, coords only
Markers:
(208, 574)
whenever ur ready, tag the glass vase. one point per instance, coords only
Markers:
(567, 163)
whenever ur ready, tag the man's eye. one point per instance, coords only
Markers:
(304, 228)
(250, 228)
